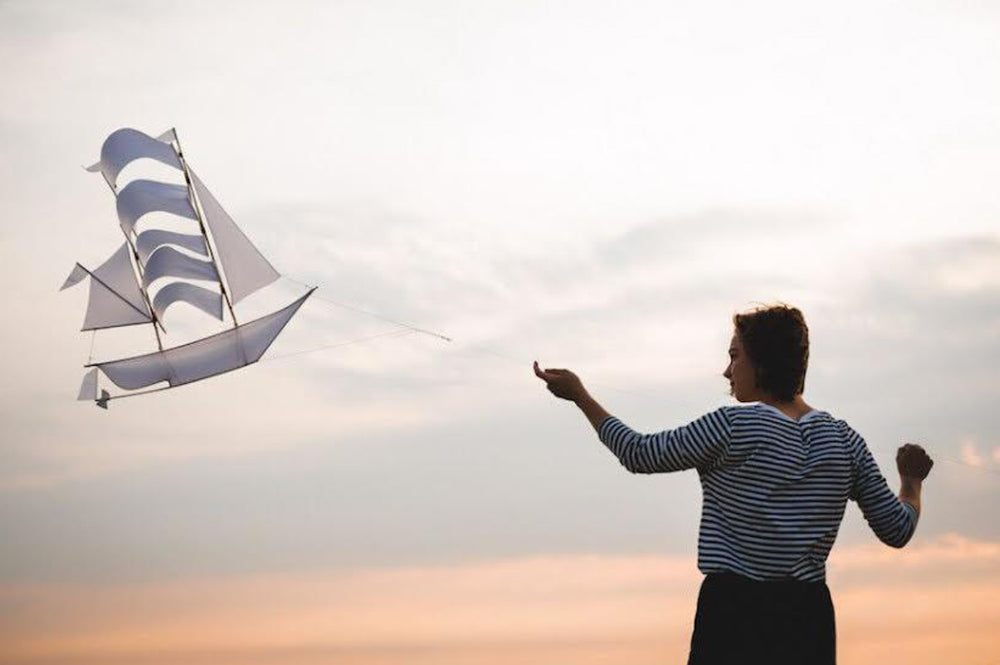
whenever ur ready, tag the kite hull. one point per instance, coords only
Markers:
(204, 358)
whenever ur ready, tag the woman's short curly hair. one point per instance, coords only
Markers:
(777, 340)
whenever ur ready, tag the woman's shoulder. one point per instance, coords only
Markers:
(759, 411)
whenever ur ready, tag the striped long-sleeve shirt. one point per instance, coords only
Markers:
(774, 488)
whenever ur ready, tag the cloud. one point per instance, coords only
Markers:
(719, 231)
(905, 330)
(543, 608)
(948, 550)
(970, 455)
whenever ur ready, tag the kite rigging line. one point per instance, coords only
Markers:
(374, 315)
(335, 345)
(284, 356)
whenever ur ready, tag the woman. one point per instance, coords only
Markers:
(776, 477)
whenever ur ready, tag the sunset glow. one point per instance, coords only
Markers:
(579, 609)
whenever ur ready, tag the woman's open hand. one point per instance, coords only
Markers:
(562, 383)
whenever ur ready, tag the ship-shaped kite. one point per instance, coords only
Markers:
(212, 267)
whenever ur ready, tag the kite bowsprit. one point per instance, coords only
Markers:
(226, 265)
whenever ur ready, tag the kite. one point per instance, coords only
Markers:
(211, 267)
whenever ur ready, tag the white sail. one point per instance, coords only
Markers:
(223, 352)
(127, 145)
(168, 136)
(207, 301)
(88, 389)
(115, 298)
(144, 196)
(168, 262)
(78, 273)
(245, 268)
(149, 241)
(123, 294)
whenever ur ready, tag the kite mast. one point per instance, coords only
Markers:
(138, 267)
(196, 204)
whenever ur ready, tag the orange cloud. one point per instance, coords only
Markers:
(950, 549)
(576, 610)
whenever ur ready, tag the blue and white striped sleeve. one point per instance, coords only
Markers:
(700, 444)
(892, 520)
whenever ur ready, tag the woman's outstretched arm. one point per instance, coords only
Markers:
(699, 444)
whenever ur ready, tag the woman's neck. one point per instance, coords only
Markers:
(794, 408)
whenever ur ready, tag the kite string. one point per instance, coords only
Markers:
(406, 330)
(391, 333)
(374, 315)
(971, 466)
(411, 329)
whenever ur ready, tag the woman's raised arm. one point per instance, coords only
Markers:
(699, 444)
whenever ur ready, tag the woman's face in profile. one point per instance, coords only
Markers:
(742, 384)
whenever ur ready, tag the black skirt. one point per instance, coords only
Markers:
(740, 620)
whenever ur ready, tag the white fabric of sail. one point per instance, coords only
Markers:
(127, 145)
(204, 299)
(88, 389)
(149, 241)
(143, 196)
(245, 268)
(115, 298)
(168, 136)
(168, 262)
(204, 358)
(78, 273)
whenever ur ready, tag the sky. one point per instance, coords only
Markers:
(600, 186)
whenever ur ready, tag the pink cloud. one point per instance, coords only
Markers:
(557, 610)
(970, 455)
(948, 549)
